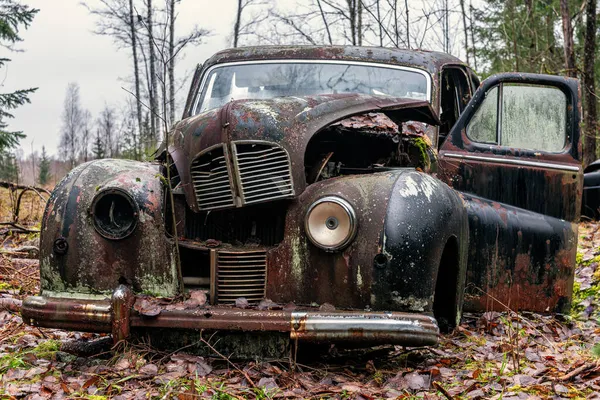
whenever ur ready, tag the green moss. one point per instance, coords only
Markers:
(18, 359)
(421, 145)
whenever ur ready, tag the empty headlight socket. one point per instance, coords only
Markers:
(114, 213)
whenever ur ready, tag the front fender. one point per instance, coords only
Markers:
(423, 216)
(76, 260)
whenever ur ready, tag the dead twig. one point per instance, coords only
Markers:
(10, 304)
(229, 362)
(19, 227)
(443, 391)
(576, 371)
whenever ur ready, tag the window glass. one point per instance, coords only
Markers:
(533, 117)
(482, 127)
(269, 80)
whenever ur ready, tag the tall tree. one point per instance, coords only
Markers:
(517, 35)
(86, 135)
(119, 19)
(589, 84)
(107, 130)
(136, 68)
(171, 17)
(44, 170)
(465, 31)
(9, 168)
(98, 147)
(238, 20)
(568, 46)
(153, 85)
(13, 18)
(72, 121)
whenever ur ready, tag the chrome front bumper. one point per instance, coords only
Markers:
(116, 316)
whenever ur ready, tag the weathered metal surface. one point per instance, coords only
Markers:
(290, 122)
(431, 61)
(423, 216)
(408, 329)
(314, 326)
(416, 233)
(523, 208)
(518, 259)
(75, 258)
(121, 303)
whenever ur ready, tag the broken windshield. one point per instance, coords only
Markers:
(261, 80)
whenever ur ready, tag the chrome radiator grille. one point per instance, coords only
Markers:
(263, 171)
(211, 179)
(241, 275)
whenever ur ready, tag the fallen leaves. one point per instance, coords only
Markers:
(490, 356)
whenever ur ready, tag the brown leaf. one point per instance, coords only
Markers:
(200, 368)
(268, 383)
(147, 307)
(65, 388)
(149, 369)
(92, 381)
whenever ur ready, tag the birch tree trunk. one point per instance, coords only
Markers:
(136, 74)
(153, 85)
(171, 65)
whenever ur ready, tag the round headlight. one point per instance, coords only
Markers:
(115, 214)
(331, 223)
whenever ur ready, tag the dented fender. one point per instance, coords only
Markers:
(76, 260)
(423, 216)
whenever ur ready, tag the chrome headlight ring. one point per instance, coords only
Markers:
(331, 223)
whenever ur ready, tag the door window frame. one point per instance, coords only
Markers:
(569, 87)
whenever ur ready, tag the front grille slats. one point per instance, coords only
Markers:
(210, 175)
(241, 274)
(264, 172)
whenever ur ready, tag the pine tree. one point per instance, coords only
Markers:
(44, 173)
(98, 147)
(9, 169)
(13, 17)
(519, 35)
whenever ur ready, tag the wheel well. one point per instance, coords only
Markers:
(445, 299)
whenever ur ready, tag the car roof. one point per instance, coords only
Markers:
(431, 61)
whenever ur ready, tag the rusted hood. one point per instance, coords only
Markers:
(287, 121)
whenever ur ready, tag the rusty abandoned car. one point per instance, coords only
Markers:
(330, 194)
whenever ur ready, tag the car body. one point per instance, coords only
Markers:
(332, 193)
(590, 206)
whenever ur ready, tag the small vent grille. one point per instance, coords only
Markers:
(241, 275)
(264, 172)
(211, 180)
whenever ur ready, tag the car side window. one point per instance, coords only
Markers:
(521, 116)
(455, 95)
(482, 127)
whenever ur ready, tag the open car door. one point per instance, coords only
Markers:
(515, 154)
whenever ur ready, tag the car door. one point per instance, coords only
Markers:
(515, 156)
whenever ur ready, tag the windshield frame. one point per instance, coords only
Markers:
(206, 73)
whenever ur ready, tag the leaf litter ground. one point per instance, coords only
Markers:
(490, 356)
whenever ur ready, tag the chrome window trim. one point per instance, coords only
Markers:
(539, 164)
(206, 73)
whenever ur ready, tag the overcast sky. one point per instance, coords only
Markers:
(61, 48)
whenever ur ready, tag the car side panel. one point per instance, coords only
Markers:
(518, 259)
